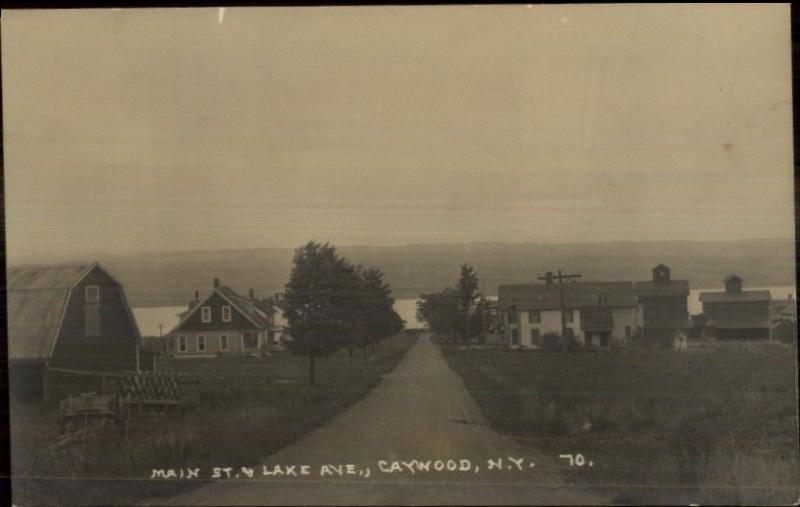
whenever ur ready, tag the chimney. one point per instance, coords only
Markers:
(196, 301)
(251, 293)
(216, 282)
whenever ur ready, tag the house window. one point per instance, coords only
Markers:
(92, 293)
(223, 342)
(534, 316)
(201, 343)
(568, 317)
(627, 332)
(226, 314)
(206, 314)
(181, 344)
(535, 337)
(515, 337)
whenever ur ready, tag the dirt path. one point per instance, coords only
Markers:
(421, 411)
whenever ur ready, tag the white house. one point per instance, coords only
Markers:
(598, 313)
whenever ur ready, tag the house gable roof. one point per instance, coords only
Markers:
(37, 298)
(576, 295)
(246, 307)
(237, 302)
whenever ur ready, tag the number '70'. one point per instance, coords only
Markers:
(576, 460)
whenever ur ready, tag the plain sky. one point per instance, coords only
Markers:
(187, 129)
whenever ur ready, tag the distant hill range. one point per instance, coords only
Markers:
(170, 279)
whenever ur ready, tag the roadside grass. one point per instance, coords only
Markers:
(717, 426)
(248, 410)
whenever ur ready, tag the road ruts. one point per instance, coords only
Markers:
(421, 410)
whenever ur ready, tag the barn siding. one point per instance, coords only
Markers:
(756, 312)
(25, 380)
(665, 312)
(115, 346)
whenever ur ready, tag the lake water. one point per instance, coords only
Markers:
(149, 319)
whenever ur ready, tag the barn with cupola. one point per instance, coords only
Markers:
(735, 313)
(664, 305)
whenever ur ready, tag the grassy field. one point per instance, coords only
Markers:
(718, 426)
(250, 409)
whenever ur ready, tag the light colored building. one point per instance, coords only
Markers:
(596, 313)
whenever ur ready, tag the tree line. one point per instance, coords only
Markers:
(454, 312)
(332, 304)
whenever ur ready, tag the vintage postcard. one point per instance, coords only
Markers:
(401, 255)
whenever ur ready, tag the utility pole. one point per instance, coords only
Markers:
(482, 306)
(561, 277)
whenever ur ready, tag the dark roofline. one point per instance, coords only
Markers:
(734, 297)
(217, 290)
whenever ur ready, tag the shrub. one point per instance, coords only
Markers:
(551, 341)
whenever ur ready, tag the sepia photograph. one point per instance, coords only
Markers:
(515, 254)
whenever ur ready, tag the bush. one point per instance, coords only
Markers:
(574, 346)
(551, 341)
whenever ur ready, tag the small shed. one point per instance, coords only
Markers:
(69, 317)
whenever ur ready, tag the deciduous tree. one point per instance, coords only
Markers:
(319, 302)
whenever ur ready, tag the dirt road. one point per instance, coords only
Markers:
(420, 411)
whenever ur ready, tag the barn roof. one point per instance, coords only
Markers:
(57, 276)
(671, 288)
(745, 296)
(576, 295)
(37, 297)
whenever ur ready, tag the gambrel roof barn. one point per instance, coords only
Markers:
(70, 316)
